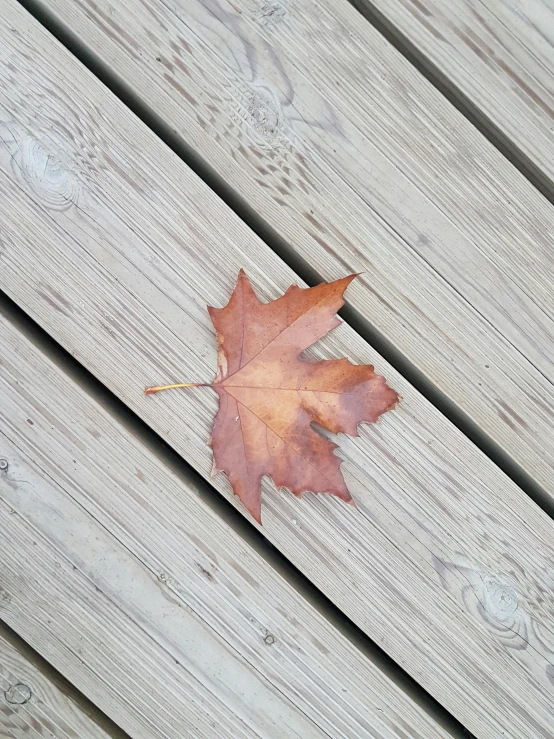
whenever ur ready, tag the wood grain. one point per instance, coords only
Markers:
(499, 54)
(446, 564)
(147, 599)
(32, 705)
(360, 165)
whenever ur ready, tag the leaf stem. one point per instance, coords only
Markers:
(158, 388)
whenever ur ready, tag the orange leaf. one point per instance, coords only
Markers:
(269, 396)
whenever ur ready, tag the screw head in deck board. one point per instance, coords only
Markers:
(3, 465)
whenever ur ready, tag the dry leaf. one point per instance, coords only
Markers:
(269, 396)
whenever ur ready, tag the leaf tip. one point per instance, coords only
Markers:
(255, 511)
(242, 277)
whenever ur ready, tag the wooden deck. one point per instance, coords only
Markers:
(148, 151)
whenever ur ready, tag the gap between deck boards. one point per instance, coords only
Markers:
(478, 118)
(232, 517)
(45, 668)
(287, 253)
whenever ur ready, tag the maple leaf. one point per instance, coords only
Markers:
(269, 396)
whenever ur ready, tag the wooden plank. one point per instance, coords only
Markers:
(134, 588)
(359, 164)
(33, 705)
(115, 247)
(499, 54)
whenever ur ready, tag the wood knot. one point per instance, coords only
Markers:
(264, 116)
(18, 694)
(500, 599)
(270, 13)
(5, 597)
(494, 596)
(51, 183)
(49, 179)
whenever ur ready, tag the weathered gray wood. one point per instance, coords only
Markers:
(116, 571)
(499, 53)
(115, 247)
(361, 166)
(32, 705)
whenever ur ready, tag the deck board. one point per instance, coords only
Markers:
(131, 586)
(33, 705)
(360, 165)
(114, 246)
(499, 54)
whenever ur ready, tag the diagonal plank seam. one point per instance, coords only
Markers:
(251, 535)
(354, 579)
(132, 555)
(456, 415)
(458, 99)
(73, 694)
